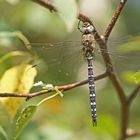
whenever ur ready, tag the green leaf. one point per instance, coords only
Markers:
(17, 34)
(67, 10)
(3, 134)
(12, 2)
(56, 25)
(12, 54)
(131, 46)
(131, 77)
(23, 119)
(137, 77)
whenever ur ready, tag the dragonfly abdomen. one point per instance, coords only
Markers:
(92, 90)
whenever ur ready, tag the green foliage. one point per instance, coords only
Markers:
(132, 45)
(67, 10)
(137, 77)
(16, 34)
(131, 50)
(131, 77)
(13, 2)
(23, 119)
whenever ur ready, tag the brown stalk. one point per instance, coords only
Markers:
(63, 88)
(114, 19)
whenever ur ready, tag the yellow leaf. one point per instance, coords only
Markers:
(18, 79)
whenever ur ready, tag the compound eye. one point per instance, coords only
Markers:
(83, 29)
(90, 29)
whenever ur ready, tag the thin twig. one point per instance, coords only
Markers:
(51, 7)
(113, 76)
(108, 62)
(63, 88)
(84, 18)
(46, 4)
(114, 19)
(133, 94)
(70, 86)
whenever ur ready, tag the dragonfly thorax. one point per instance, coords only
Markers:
(88, 45)
(87, 40)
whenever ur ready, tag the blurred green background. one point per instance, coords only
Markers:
(70, 118)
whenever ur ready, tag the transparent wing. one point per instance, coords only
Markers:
(61, 60)
(66, 57)
(57, 53)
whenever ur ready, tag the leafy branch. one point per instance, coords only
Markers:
(61, 88)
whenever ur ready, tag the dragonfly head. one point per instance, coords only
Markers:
(86, 28)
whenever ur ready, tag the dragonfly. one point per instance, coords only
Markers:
(87, 40)
(55, 52)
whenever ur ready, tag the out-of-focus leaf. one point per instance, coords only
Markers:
(13, 2)
(56, 29)
(54, 105)
(58, 133)
(5, 34)
(12, 54)
(6, 60)
(137, 77)
(131, 46)
(67, 10)
(18, 79)
(131, 77)
(107, 122)
(3, 135)
(3, 116)
(23, 119)
(134, 38)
